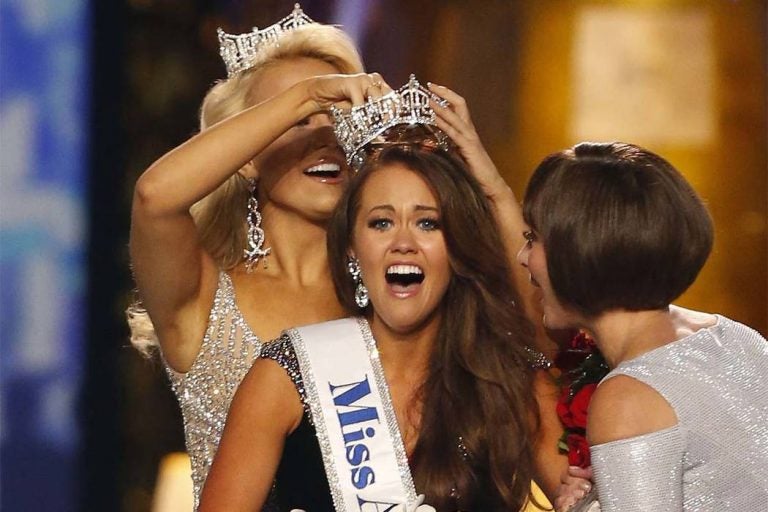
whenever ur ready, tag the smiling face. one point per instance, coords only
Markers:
(533, 257)
(304, 169)
(399, 242)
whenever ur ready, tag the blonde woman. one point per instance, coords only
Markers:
(262, 176)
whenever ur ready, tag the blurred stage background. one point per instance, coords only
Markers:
(92, 92)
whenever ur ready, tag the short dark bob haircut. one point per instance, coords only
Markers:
(621, 227)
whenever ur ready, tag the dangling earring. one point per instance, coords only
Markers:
(255, 238)
(361, 292)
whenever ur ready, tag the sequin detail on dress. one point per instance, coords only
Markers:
(716, 458)
(537, 360)
(205, 392)
(282, 352)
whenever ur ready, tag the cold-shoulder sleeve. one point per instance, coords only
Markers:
(639, 474)
(282, 352)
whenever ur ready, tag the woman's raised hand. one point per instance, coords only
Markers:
(456, 122)
(345, 90)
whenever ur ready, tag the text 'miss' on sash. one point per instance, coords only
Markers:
(362, 449)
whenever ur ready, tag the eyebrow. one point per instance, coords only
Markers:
(418, 207)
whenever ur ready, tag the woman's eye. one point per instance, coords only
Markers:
(379, 223)
(303, 122)
(429, 224)
(530, 237)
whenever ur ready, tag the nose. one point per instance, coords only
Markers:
(403, 241)
(323, 135)
(522, 255)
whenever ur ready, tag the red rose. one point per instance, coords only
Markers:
(578, 451)
(564, 409)
(581, 341)
(578, 406)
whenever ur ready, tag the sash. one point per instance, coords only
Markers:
(362, 449)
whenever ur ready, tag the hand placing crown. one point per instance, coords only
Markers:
(403, 116)
(237, 50)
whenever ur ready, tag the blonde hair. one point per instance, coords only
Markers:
(220, 216)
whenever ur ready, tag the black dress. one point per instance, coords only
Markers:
(300, 481)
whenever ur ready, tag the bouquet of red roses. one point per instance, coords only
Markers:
(582, 366)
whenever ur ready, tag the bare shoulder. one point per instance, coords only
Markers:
(623, 407)
(267, 392)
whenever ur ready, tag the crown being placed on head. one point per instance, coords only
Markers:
(237, 50)
(400, 117)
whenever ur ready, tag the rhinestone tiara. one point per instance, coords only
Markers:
(237, 50)
(363, 127)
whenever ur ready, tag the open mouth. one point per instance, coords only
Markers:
(324, 170)
(404, 276)
(534, 282)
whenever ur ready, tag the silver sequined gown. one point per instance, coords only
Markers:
(206, 390)
(716, 457)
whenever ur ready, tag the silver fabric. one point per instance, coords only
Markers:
(716, 457)
(206, 390)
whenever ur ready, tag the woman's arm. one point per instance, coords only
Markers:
(264, 411)
(637, 448)
(176, 277)
(456, 122)
(550, 463)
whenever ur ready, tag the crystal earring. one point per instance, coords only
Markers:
(255, 238)
(361, 292)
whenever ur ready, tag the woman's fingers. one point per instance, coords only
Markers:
(344, 91)
(563, 504)
(372, 87)
(577, 472)
(451, 118)
(379, 85)
(448, 128)
(575, 484)
(458, 103)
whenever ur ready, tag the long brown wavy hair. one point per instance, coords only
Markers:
(479, 415)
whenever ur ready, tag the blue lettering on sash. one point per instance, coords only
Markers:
(351, 414)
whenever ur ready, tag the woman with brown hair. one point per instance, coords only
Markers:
(681, 421)
(415, 250)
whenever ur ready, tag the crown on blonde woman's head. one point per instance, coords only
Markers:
(237, 50)
(400, 117)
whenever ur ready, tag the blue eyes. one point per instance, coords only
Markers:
(425, 224)
(380, 224)
(428, 224)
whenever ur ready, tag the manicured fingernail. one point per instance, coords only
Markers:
(585, 486)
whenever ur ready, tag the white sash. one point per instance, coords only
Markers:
(362, 449)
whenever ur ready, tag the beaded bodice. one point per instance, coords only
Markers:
(205, 392)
